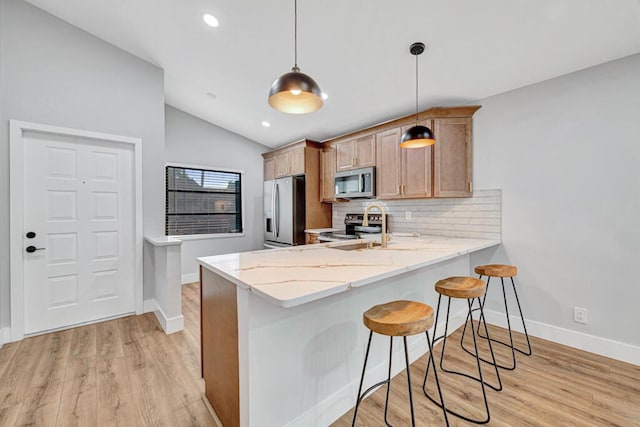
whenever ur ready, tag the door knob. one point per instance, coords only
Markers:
(31, 235)
(32, 249)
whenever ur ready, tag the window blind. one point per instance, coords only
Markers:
(202, 201)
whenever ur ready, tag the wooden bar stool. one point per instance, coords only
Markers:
(502, 271)
(397, 319)
(470, 289)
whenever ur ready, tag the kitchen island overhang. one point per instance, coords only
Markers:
(283, 340)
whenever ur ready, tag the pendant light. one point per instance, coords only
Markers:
(295, 92)
(418, 136)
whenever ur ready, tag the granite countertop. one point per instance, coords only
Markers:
(300, 274)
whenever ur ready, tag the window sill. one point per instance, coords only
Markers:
(187, 237)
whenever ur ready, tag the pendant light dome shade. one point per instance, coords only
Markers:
(418, 136)
(295, 93)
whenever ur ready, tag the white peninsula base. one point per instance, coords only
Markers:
(300, 365)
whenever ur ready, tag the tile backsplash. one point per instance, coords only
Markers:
(479, 216)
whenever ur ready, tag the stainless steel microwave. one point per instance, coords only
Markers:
(356, 184)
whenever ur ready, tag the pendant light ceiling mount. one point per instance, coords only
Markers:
(417, 48)
(418, 136)
(295, 92)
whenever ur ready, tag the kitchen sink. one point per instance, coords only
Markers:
(356, 246)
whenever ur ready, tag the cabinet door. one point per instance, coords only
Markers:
(296, 161)
(417, 169)
(269, 168)
(327, 171)
(388, 164)
(345, 155)
(282, 164)
(452, 158)
(365, 148)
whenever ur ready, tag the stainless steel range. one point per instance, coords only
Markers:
(353, 228)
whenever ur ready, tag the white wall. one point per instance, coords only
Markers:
(191, 140)
(566, 153)
(54, 73)
(4, 265)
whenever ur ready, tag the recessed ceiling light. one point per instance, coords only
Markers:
(212, 95)
(211, 20)
(324, 96)
(266, 124)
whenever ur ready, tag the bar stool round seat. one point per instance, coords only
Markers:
(497, 270)
(397, 319)
(461, 287)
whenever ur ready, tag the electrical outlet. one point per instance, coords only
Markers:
(407, 215)
(580, 315)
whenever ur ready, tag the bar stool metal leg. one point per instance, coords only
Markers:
(481, 322)
(510, 344)
(435, 374)
(480, 378)
(406, 359)
(361, 395)
(364, 368)
(386, 401)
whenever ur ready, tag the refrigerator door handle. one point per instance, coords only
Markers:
(273, 209)
(277, 209)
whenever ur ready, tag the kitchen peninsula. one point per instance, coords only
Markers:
(282, 334)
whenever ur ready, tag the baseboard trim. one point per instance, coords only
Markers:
(333, 407)
(591, 343)
(169, 324)
(5, 336)
(190, 278)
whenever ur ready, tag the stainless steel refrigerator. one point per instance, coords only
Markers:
(284, 211)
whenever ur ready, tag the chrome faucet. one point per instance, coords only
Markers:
(365, 222)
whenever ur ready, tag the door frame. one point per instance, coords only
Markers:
(16, 210)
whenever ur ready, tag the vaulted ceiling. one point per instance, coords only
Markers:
(357, 50)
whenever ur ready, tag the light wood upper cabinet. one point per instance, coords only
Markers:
(269, 168)
(296, 161)
(417, 169)
(327, 172)
(388, 164)
(303, 158)
(289, 163)
(282, 164)
(402, 173)
(356, 153)
(452, 157)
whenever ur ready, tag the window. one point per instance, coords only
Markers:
(202, 201)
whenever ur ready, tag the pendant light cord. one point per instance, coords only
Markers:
(416, 90)
(295, 32)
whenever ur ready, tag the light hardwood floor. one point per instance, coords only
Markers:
(128, 372)
(556, 386)
(124, 372)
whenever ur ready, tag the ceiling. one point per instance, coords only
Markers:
(357, 50)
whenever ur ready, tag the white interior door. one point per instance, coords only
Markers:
(79, 202)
